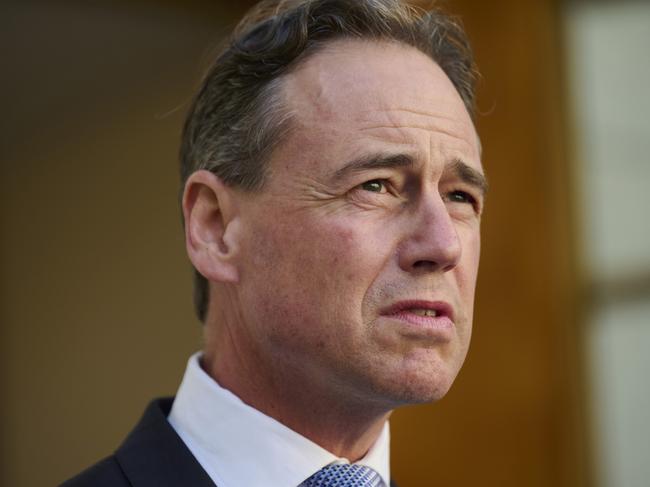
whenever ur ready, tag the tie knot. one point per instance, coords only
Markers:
(344, 475)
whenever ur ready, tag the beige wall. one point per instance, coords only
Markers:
(96, 291)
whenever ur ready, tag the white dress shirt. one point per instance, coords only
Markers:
(238, 445)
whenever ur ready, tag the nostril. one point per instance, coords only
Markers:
(429, 265)
(425, 264)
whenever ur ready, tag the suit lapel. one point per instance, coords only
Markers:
(154, 455)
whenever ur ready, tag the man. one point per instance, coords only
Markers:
(332, 200)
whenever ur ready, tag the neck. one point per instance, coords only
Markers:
(346, 428)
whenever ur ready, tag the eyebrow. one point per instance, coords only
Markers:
(460, 169)
(373, 161)
(469, 175)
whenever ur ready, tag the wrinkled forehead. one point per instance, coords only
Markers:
(370, 82)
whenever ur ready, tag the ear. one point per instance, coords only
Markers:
(211, 227)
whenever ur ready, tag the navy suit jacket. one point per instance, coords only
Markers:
(153, 455)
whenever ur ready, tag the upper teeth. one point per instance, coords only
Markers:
(424, 312)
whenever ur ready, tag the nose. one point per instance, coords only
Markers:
(431, 242)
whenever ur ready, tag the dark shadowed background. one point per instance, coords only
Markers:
(95, 289)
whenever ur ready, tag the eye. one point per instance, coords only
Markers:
(375, 186)
(461, 197)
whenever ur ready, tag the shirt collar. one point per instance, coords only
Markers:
(239, 445)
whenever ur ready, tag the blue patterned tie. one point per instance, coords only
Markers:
(344, 475)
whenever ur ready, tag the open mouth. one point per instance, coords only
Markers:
(420, 308)
(422, 312)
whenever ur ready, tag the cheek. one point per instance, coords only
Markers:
(467, 271)
(303, 285)
(304, 267)
(335, 251)
(472, 252)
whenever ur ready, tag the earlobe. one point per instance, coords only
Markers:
(211, 227)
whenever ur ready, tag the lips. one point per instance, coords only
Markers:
(422, 320)
(420, 308)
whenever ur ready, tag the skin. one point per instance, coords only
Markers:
(374, 198)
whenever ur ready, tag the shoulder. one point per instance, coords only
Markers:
(152, 455)
(106, 473)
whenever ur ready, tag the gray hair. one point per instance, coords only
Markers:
(238, 116)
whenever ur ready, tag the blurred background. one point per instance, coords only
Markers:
(95, 289)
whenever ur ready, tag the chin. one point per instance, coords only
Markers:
(421, 393)
(427, 379)
(419, 386)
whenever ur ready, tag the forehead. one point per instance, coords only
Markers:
(378, 91)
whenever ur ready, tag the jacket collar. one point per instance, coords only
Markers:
(154, 455)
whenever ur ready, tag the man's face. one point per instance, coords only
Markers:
(360, 255)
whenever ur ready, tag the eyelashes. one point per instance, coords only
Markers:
(460, 196)
(375, 186)
(378, 186)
